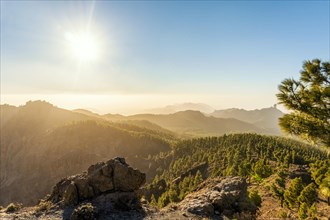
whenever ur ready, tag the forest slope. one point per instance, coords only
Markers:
(264, 160)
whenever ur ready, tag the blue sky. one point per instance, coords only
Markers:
(223, 53)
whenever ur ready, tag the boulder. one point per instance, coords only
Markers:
(217, 196)
(200, 207)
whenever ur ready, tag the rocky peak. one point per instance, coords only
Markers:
(113, 176)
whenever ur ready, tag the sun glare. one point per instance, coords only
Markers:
(83, 46)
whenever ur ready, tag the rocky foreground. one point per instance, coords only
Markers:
(111, 190)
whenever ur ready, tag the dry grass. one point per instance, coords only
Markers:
(44, 206)
(13, 207)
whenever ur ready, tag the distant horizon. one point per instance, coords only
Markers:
(131, 111)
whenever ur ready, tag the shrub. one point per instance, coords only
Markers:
(13, 207)
(283, 214)
(84, 212)
(255, 197)
(44, 206)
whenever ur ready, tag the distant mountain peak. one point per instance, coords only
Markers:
(264, 117)
(39, 104)
(192, 113)
(170, 109)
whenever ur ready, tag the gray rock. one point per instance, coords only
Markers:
(201, 207)
(217, 196)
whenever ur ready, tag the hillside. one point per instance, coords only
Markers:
(266, 118)
(41, 143)
(193, 123)
(233, 176)
(265, 161)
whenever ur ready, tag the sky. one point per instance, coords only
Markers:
(130, 56)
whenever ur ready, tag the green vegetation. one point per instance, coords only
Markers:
(283, 214)
(303, 211)
(278, 186)
(248, 155)
(292, 193)
(309, 100)
(255, 197)
(320, 172)
(325, 188)
(308, 195)
(312, 211)
(262, 169)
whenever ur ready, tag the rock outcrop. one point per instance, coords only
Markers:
(225, 196)
(112, 177)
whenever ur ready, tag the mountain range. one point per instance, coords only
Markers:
(42, 144)
(66, 142)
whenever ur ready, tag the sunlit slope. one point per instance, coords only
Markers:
(41, 144)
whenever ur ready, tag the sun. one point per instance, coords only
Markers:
(83, 46)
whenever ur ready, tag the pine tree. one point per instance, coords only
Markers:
(292, 193)
(163, 200)
(278, 193)
(309, 100)
(262, 170)
(173, 193)
(312, 211)
(153, 201)
(198, 178)
(279, 186)
(303, 211)
(308, 195)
